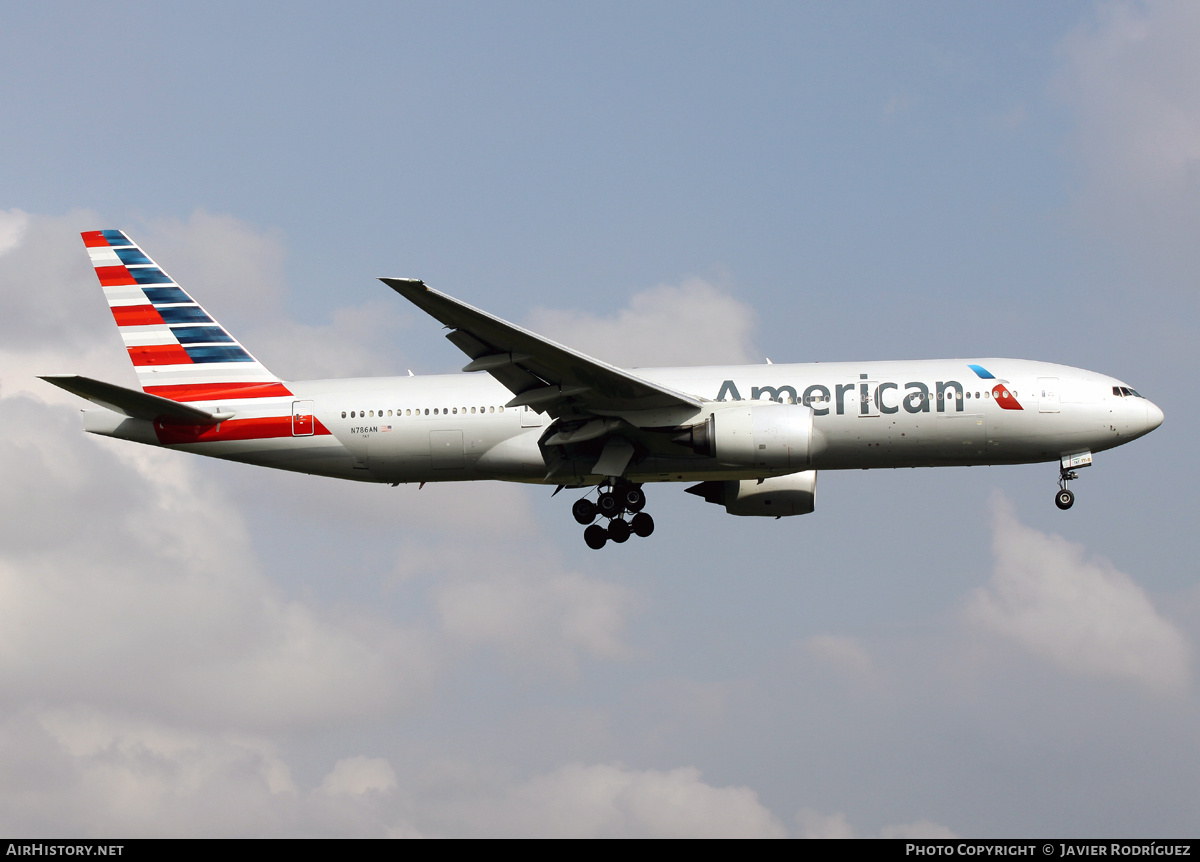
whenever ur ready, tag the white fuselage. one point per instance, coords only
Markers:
(864, 415)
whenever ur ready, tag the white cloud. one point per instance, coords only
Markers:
(530, 609)
(925, 830)
(896, 105)
(814, 824)
(48, 286)
(1132, 80)
(694, 323)
(233, 269)
(236, 272)
(13, 224)
(610, 801)
(1081, 614)
(146, 656)
(134, 582)
(79, 771)
(847, 654)
(355, 343)
(354, 776)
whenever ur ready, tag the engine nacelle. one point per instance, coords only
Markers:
(775, 497)
(765, 435)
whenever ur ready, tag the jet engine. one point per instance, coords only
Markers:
(776, 497)
(769, 435)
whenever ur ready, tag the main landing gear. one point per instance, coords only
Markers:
(614, 501)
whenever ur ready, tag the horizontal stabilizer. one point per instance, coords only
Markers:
(138, 405)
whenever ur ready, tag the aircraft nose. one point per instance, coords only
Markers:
(1154, 416)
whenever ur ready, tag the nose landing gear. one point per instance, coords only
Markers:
(614, 501)
(1064, 499)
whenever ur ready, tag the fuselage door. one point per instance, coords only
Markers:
(1047, 394)
(302, 419)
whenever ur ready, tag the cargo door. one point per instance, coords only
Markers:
(446, 449)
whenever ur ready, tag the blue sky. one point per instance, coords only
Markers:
(929, 653)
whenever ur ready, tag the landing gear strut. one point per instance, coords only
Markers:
(616, 498)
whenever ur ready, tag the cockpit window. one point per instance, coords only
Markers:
(1117, 391)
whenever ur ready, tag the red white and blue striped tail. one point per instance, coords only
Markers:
(177, 349)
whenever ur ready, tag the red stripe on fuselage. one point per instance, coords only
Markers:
(94, 239)
(159, 354)
(259, 428)
(111, 276)
(219, 391)
(136, 315)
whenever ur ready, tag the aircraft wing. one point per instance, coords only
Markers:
(540, 373)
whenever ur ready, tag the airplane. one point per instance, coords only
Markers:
(751, 437)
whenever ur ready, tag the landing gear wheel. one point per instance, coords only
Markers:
(609, 504)
(642, 524)
(618, 530)
(1064, 499)
(595, 536)
(634, 499)
(584, 511)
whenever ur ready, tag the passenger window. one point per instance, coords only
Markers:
(343, 414)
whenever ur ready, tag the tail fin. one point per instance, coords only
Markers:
(178, 351)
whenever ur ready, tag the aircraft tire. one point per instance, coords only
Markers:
(618, 530)
(584, 510)
(635, 499)
(642, 524)
(595, 536)
(1064, 499)
(609, 504)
